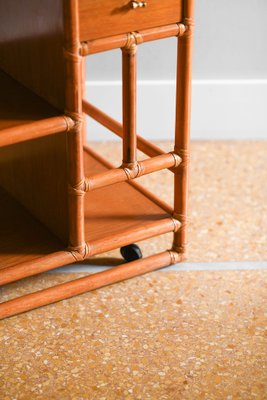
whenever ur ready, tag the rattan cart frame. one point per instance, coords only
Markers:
(87, 172)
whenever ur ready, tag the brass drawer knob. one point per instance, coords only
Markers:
(138, 4)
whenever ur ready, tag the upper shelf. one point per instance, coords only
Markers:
(25, 116)
(19, 106)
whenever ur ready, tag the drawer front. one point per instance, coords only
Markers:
(103, 18)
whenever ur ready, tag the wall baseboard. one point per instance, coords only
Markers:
(221, 109)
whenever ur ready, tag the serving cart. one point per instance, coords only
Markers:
(61, 202)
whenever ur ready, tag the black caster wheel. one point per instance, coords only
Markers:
(131, 252)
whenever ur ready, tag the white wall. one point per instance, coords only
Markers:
(229, 76)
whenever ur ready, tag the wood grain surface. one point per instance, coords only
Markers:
(110, 17)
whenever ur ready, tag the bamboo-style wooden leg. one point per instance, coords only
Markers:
(74, 91)
(83, 78)
(85, 284)
(182, 128)
(129, 104)
(76, 192)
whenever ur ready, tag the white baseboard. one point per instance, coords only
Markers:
(221, 109)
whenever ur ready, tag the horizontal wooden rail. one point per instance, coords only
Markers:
(148, 148)
(119, 41)
(86, 284)
(35, 130)
(161, 203)
(156, 228)
(35, 266)
(141, 168)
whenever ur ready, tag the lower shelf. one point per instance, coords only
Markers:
(114, 216)
(120, 214)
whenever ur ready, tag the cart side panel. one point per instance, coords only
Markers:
(31, 51)
(31, 46)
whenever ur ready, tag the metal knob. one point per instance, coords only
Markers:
(138, 4)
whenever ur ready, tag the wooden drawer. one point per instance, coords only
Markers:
(102, 18)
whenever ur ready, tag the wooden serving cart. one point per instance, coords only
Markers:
(60, 202)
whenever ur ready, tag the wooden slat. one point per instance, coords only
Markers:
(35, 130)
(116, 175)
(36, 266)
(85, 284)
(119, 41)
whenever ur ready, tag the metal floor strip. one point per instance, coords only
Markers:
(188, 266)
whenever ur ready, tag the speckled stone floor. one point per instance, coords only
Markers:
(167, 335)
(173, 335)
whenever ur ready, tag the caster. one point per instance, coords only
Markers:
(131, 252)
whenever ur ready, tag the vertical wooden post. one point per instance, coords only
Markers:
(83, 80)
(182, 128)
(75, 137)
(129, 103)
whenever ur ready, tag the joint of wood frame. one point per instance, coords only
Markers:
(181, 29)
(80, 188)
(176, 224)
(70, 123)
(133, 170)
(182, 218)
(133, 39)
(179, 252)
(77, 119)
(189, 27)
(177, 159)
(184, 155)
(85, 48)
(81, 252)
(174, 257)
(72, 55)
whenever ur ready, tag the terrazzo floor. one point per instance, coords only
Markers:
(166, 335)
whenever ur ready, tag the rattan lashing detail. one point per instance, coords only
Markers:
(69, 55)
(76, 117)
(80, 188)
(182, 218)
(176, 224)
(184, 156)
(174, 257)
(79, 253)
(133, 39)
(70, 121)
(133, 172)
(177, 159)
(181, 29)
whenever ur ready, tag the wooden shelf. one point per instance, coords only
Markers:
(114, 214)
(19, 106)
(22, 237)
(119, 214)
